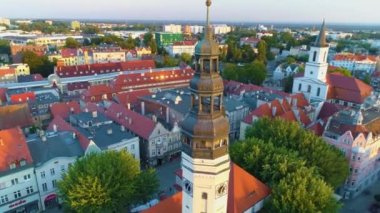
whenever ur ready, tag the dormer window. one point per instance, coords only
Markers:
(12, 165)
(23, 162)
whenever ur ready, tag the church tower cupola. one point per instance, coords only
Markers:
(205, 130)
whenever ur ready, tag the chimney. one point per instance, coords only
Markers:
(154, 118)
(86, 109)
(94, 114)
(274, 111)
(294, 101)
(130, 121)
(167, 114)
(55, 127)
(72, 110)
(122, 128)
(129, 106)
(74, 135)
(43, 138)
(109, 131)
(143, 108)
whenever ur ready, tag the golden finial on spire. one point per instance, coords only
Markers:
(208, 3)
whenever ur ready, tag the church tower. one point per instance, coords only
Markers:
(314, 83)
(317, 65)
(205, 159)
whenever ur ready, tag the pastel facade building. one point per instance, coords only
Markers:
(18, 185)
(355, 63)
(53, 153)
(178, 48)
(356, 134)
(172, 28)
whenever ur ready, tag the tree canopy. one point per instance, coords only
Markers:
(186, 57)
(72, 43)
(5, 47)
(341, 70)
(38, 64)
(106, 182)
(300, 167)
(254, 73)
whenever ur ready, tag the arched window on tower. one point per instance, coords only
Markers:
(315, 56)
(318, 91)
(308, 88)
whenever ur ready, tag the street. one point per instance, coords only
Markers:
(362, 203)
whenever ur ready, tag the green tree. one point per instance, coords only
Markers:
(331, 163)
(5, 47)
(106, 182)
(341, 70)
(147, 39)
(170, 61)
(288, 84)
(153, 46)
(72, 43)
(262, 51)
(255, 73)
(367, 79)
(129, 44)
(302, 191)
(186, 57)
(38, 64)
(90, 29)
(230, 72)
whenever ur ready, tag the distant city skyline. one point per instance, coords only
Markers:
(289, 11)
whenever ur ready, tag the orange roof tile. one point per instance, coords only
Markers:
(15, 115)
(171, 204)
(13, 148)
(244, 191)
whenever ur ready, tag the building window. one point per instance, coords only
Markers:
(42, 174)
(315, 56)
(319, 91)
(133, 147)
(52, 172)
(308, 88)
(299, 87)
(54, 183)
(29, 190)
(14, 181)
(4, 199)
(44, 187)
(17, 194)
(27, 177)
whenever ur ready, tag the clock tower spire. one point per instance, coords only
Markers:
(205, 159)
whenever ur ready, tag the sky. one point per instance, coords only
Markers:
(278, 11)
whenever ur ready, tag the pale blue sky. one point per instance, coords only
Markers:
(335, 11)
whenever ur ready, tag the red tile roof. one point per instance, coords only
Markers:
(15, 115)
(138, 124)
(13, 148)
(92, 69)
(78, 86)
(237, 88)
(23, 97)
(329, 109)
(185, 43)
(353, 57)
(317, 128)
(161, 79)
(7, 72)
(62, 125)
(131, 97)
(69, 52)
(244, 191)
(64, 110)
(171, 204)
(98, 92)
(349, 89)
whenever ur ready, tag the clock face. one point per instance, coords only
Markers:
(221, 189)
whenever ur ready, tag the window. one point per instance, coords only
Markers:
(4, 199)
(44, 187)
(17, 194)
(308, 88)
(27, 177)
(133, 147)
(315, 56)
(29, 190)
(14, 181)
(52, 172)
(299, 87)
(54, 183)
(42, 174)
(318, 91)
